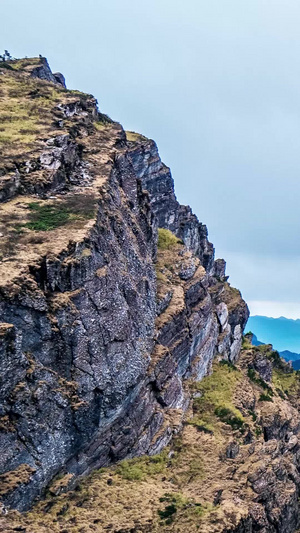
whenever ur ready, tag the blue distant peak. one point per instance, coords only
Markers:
(283, 333)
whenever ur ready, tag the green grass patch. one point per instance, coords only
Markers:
(5, 65)
(159, 275)
(139, 468)
(46, 217)
(23, 117)
(287, 382)
(100, 125)
(22, 64)
(17, 129)
(216, 400)
(253, 415)
(278, 362)
(258, 431)
(265, 398)
(201, 425)
(246, 344)
(166, 239)
(227, 363)
(177, 502)
(167, 513)
(103, 121)
(228, 416)
(132, 136)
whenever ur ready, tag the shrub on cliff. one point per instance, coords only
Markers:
(166, 239)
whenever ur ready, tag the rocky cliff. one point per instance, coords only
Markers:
(233, 468)
(111, 301)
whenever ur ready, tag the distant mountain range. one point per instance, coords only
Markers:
(283, 333)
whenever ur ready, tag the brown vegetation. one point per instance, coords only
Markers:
(194, 485)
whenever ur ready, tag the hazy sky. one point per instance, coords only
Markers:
(217, 84)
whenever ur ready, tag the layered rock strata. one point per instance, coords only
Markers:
(234, 467)
(99, 327)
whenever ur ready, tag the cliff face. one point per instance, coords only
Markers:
(234, 467)
(102, 321)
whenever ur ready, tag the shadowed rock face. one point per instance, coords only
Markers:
(43, 72)
(98, 330)
(217, 476)
(157, 180)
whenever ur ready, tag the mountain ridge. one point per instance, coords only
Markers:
(130, 401)
(283, 333)
(286, 354)
(110, 294)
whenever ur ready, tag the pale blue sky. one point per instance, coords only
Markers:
(217, 84)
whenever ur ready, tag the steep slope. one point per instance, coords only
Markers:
(233, 468)
(100, 328)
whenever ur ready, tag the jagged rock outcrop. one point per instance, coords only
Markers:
(44, 72)
(100, 327)
(234, 467)
(157, 180)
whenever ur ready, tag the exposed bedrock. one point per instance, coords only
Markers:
(96, 341)
(43, 71)
(157, 180)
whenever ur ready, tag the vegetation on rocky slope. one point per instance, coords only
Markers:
(48, 216)
(28, 109)
(101, 372)
(166, 239)
(122, 322)
(44, 131)
(219, 472)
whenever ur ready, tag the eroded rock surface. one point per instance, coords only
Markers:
(234, 467)
(101, 327)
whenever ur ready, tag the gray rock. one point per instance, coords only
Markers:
(222, 314)
(88, 375)
(188, 269)
(219, 269)
(264, 367)
(59, 77)
(164, 303)
(232, 450)
(157, 180)
(43, 71)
